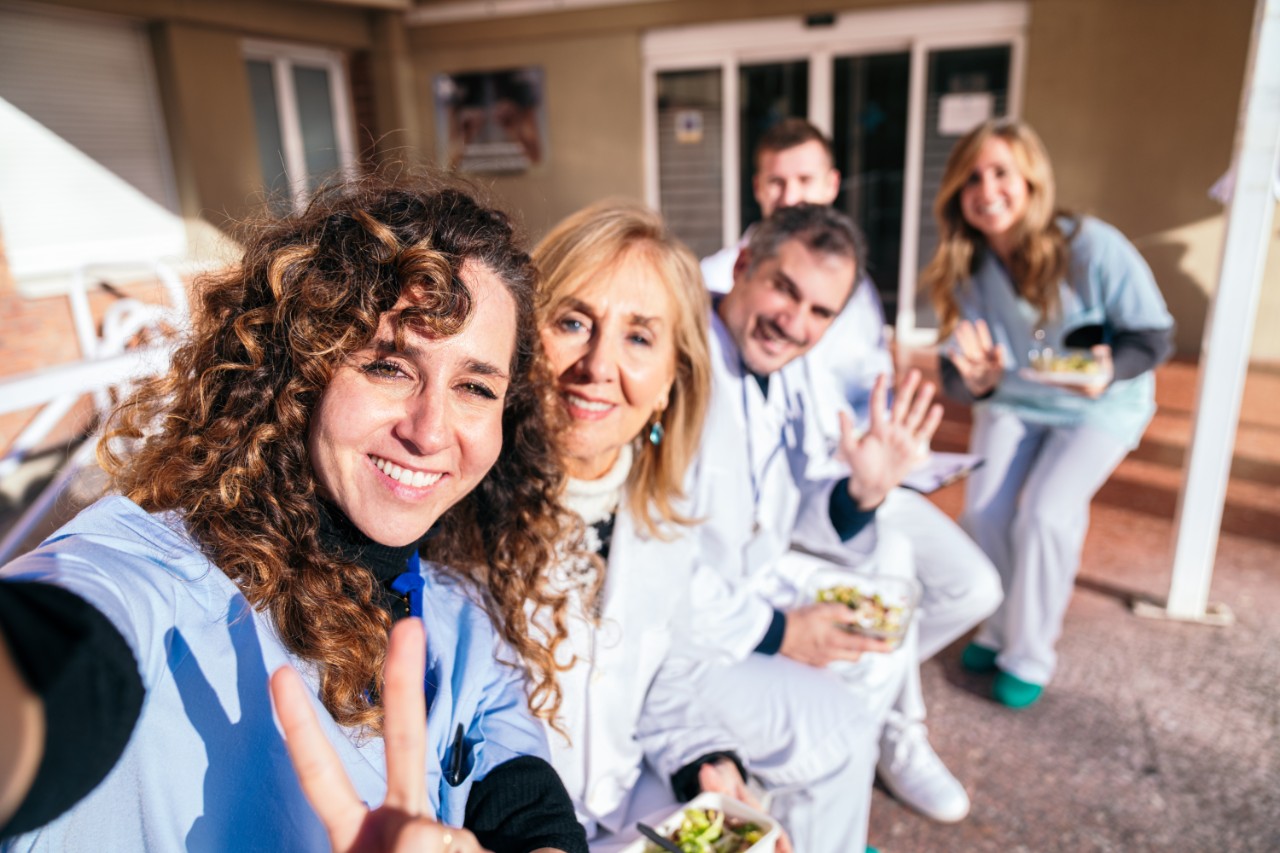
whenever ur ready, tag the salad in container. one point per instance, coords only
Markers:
(883, 605)
(1065, 367)
(714, 823)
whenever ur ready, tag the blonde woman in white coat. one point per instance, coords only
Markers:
(623, 315)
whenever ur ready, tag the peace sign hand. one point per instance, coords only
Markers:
(399, 824)
(979, 360)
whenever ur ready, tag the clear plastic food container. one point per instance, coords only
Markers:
(731, 808)
(884, 604)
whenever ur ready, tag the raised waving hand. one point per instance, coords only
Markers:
(897, 440)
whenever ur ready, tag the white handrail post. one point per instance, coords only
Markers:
(1224, 358)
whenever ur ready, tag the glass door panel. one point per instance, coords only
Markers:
(266, 115)
(691, 157)
(314, 95)
(767, 94)
(869, 138)
(302, 116)
(964, 86)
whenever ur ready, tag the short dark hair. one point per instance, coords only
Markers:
(821, 229)
(789, 133)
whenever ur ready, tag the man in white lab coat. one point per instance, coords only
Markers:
(804, 699)
(960, 585)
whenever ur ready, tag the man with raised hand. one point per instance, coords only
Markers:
(794, 165)
(804, 699)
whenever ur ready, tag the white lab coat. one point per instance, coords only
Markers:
(645, 605)
(762, 483)
(960, 584)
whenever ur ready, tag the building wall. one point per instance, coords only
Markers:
(204, 95)
(1137, 102)
(595, 126)
(1139, 130)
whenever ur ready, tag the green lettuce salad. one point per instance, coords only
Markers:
(712, 831)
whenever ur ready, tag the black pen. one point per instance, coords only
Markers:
(454, 777)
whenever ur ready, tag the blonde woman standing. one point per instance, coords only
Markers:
(1013, 277)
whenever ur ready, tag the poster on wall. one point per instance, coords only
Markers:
(961, 112)
(491, 121)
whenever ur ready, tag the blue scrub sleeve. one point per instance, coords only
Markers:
(1131, 298)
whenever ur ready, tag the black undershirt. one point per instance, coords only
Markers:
(80, 666)
(71, 655)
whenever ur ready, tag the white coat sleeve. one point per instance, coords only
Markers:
(818, 472)
(728, 617)
(675, 726)
(717, 269)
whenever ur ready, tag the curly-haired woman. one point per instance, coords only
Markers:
(353, 432)
(1014, 275)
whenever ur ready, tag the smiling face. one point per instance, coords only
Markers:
(995, 195)
(401, 435)
(611, 344)
(799, 174)
(779, 309)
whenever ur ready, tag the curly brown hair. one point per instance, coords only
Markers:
(222, 437)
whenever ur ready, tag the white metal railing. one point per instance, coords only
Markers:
(106, 362)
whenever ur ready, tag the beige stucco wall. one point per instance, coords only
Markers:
(1138, 107)
(1137, 102)
(594, 119)
(205, 92)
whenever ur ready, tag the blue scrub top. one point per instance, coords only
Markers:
(206, 767)
(1109, 284)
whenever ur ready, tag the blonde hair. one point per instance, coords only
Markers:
(599, 238)
(1040, 254)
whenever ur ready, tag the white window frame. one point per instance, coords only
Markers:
(917, 30)
(284, 57)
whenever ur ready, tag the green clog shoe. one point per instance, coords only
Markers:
(1013, 692)
(976, 658)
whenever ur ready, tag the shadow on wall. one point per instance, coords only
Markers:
(1186, 297)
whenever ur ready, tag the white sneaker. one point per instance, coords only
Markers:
(914, 773)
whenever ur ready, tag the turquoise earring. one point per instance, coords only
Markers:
(656, 432)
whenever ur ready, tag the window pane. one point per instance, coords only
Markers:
(266, 119)
(766, 95)
(982, 72)
(315, 120)
(870, 141)
(690, 161)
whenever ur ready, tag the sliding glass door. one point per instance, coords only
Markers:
(892, 89)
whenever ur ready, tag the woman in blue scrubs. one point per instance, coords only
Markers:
(352, 433)
(1016, 284)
